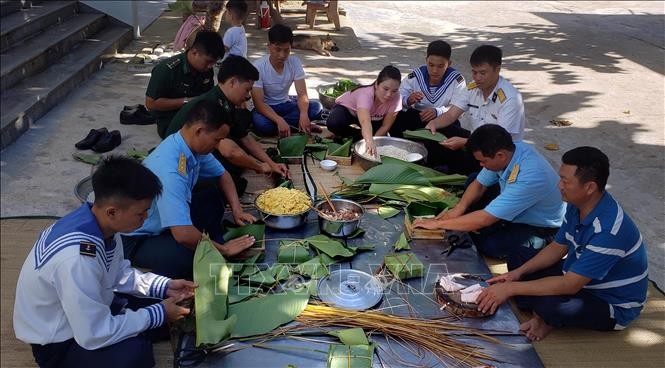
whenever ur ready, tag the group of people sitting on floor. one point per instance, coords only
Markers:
(580, 263)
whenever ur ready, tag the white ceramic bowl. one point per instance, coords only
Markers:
(328, 165)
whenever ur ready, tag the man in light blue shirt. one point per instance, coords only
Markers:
(528, 211)
(177, 219)
(604, 281)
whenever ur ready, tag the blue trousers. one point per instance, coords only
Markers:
(287, 110)
(162, 254)
(514, 242)
(583, 310)
(134, 352)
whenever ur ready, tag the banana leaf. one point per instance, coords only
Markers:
(350, 356)
(357, 233)
(387, 212)
(316, 267)
(423, 134)
(413, 193)
(343, 150)
(332, 248)
(238, 267)
(404, 265)
(345, 181)
(362, 247)
(257, 230)
(261, 315)
(138, 154)
(211, 274)
(293, 146)
(402, 243)
(280, 272)
(264, 277)
(294, 252)
(92, 158)
(351, 336)
(392, 174)
(238, 293)
(433, 176)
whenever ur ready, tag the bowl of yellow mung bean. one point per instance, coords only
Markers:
(283, 208)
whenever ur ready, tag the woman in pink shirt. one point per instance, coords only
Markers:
(374, 107)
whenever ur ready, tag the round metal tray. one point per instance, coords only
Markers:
(367, 161)
(350, 289)
(83, 190)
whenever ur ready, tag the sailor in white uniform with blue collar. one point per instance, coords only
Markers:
(67, 286)
(489, 99)
(428, 91)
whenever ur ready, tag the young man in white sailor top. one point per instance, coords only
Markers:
(429, 90)
(66, 303)
(604, 280)
(490, 99)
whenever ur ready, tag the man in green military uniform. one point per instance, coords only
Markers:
(235, 78)
(177, 79)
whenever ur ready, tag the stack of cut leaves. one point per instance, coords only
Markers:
(323, 147)
(398, 183)
(230, 297)
(435, 336)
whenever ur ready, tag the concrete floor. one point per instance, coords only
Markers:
(598, 64)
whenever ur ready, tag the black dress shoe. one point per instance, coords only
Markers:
(138, 116)
(133, 107)
(107, 142)
(91, 138)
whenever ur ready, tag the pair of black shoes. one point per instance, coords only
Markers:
(100, 140)
(136, 115)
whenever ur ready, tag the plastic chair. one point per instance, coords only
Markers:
(330, 7)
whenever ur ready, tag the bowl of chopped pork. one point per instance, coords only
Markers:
(388, 146)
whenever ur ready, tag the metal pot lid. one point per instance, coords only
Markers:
(350, 289)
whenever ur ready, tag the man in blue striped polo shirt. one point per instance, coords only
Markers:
(604, 282)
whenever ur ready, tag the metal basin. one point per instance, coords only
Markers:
(339, 228)
(83, 190)
(327, 101)
(367, 161)
(282, 222)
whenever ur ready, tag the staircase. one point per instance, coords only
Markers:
(47, 49)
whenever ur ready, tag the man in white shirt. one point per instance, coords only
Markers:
(490, 99)
(274, 110)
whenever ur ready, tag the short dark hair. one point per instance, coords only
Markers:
(592, 165)
(209, 43)
(439, 48)
(210, 113)
(123, 178)
(490, 139)
(239, 67)
(280, 33)
(486, 54)
(237, 7)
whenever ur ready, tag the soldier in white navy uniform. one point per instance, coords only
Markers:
(66, 289)
(490, 99)
(428, 91)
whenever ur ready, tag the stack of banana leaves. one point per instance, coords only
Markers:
(397, 183)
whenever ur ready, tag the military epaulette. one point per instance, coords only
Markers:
(173, 63)
(460, 79)
(513, 174)
(88, 249)
(411, 75)
(500, 95)
(471, 86)
(182, 164)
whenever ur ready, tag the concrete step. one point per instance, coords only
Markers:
(29, 22)
(36, 53)
(9, 6)
(28, 100)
